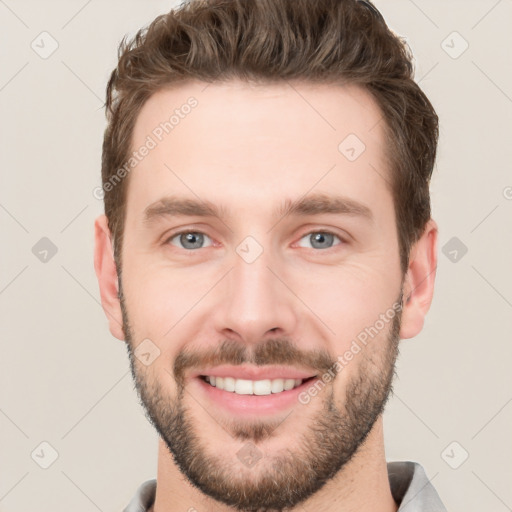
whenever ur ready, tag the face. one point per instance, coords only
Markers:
(260, 246)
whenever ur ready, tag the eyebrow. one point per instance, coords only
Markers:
(318, 204)
(314, 204)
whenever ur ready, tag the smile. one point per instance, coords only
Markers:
(252, 387)
(252, 398)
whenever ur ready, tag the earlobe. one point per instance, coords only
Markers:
(419, 282)
(106, 273)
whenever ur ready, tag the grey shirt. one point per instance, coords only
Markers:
(410, 488)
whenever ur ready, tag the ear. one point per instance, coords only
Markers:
(419, 282)
(106, 272)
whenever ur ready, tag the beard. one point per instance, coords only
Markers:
(332, 435)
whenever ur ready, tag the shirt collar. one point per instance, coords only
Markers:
(411, 488)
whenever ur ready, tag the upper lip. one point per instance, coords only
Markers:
(255, 372)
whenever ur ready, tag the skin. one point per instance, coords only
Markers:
(247, 149)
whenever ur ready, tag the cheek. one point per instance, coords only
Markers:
(349, 299)
(147, 308)
(159, 297)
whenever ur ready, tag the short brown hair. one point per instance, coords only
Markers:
(268, 41)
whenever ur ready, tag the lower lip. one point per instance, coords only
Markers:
(253, 404)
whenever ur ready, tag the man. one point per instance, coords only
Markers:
(267, 242)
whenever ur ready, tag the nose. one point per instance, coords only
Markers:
(255, 302)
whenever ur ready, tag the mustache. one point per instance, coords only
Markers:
(275, 351)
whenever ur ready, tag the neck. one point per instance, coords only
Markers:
(362, 485)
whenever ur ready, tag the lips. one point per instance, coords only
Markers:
(255, 373)
(249, 405)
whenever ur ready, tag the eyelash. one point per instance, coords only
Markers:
(323, 231)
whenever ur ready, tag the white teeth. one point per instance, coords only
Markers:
(229, 384)
(262, 387)
(289, 384)
(277, 385)
(253, 387)
(242, 387)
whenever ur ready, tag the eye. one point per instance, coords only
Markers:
(319, 240)
(190, 240)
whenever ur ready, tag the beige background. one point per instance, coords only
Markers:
(64, 379)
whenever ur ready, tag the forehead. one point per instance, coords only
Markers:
(241, 141)
(239, 107)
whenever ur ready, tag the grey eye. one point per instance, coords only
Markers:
(318, 240)
(190, 240)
